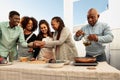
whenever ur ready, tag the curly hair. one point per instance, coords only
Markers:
(24, 21)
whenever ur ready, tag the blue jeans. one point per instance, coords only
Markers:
(99, 58)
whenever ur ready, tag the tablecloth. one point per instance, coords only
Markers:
(27, 71)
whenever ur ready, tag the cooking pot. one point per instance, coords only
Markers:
(84, 59)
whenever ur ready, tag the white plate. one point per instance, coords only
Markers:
(55, 65)
(59, 64)
(6, 64)
(66, 62)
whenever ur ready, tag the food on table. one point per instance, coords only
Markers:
(56, 64)
(52, 61)
(84, 59)
(66, 62)
(23, 59)
(37, 62)
(3, 61)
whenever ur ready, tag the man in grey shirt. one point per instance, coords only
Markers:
(96, 33)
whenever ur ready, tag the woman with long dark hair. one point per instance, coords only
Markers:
(62, 41)
(45, 35)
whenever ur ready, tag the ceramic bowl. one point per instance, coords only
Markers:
(57, 64)
(23, 59)
(66, 62)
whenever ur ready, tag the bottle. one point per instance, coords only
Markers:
(11, 56)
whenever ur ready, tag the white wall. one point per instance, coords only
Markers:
(68, 13)
(115, 49)
(112, 15)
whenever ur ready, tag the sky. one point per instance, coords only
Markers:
(46, 9)
(81, 7)
(40, 9)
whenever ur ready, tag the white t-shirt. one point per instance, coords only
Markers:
(46, 52)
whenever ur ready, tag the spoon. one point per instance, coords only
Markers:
(96, 55)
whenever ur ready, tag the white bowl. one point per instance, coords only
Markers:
(66, 62)
(23, 59)
(58, 64)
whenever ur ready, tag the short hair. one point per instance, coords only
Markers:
(12, 13)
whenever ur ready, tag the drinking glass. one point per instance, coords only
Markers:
(86, 41)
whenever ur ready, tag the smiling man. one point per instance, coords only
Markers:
(9, 33)
(97, 33)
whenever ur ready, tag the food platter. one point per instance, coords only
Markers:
(85, 59)
(37, 62)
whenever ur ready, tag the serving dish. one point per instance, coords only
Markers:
(85, 64)
(23, 59)
(37, 62)
(84, 59)
(57, 64)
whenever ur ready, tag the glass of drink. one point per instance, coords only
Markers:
(86, 41)
(11, 56)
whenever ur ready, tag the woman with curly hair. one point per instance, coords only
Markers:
(29, 25)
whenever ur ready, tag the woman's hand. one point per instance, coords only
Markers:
(30, 50)
(39, 43)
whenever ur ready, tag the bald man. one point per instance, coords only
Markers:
(97, 33)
